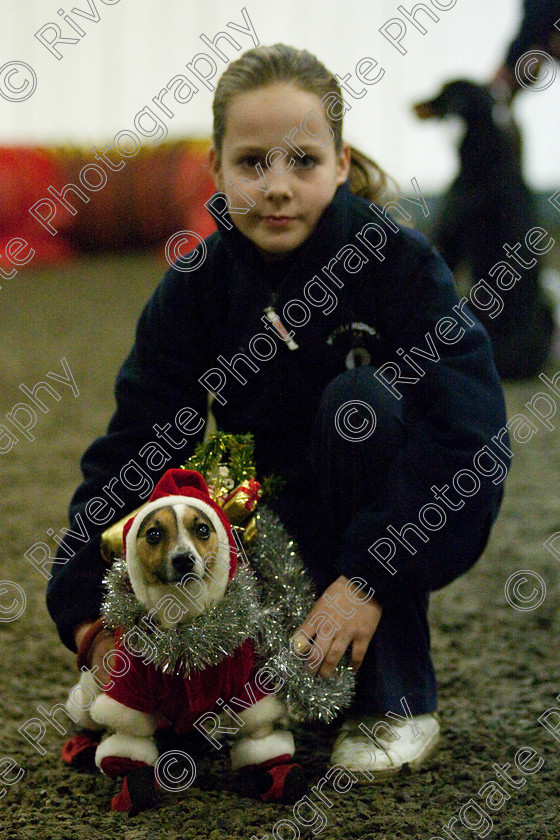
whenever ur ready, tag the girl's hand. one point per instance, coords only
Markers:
(101, 645)
(336, 621)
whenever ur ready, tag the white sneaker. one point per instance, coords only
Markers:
(377, 747)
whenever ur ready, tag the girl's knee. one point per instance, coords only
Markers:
(359, 384)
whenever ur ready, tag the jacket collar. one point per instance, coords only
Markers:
(333, 227)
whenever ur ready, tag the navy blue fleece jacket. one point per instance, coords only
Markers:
(198, 320)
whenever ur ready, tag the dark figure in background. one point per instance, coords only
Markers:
(488, 206)
(539, 29)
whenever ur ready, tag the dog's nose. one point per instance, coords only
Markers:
(184, 562)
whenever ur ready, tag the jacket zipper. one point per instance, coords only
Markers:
(274, 319)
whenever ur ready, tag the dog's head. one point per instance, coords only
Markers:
(179, 549)
(461, 98)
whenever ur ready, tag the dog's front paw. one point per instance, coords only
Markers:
(287, 783)
(79, 751)
(138, 792)
(277, 780)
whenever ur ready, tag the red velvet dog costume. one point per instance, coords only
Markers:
(145, 697)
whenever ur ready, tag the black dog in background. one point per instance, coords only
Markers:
(487, 206)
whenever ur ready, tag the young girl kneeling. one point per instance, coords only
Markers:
(336, 337)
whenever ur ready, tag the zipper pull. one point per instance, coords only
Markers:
(274, 319)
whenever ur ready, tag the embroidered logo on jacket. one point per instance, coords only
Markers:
(358, 340)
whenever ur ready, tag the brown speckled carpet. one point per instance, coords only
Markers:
(497, 667)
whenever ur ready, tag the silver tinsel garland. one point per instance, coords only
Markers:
(202, 641)
(287, 597)
(266, 603)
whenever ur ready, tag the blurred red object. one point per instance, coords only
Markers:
(158, 192)
(193, 187)
(25, 175)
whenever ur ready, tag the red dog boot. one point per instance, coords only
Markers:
(138, 792)
(277, 780)
(79, 751)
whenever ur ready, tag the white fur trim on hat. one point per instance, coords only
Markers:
(134, 568)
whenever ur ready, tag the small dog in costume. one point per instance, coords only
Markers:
(202, 617)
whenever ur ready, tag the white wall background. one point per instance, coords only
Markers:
(137, 46)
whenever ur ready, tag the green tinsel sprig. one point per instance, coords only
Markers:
(224, 459)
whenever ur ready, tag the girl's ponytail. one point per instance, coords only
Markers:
(367, 179)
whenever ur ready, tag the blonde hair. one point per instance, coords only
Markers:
(263, 66)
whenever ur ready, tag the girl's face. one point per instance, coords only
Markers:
(291, 188)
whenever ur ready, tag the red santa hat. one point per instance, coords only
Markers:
(179, 486)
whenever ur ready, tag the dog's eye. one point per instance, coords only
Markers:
(202, 531)
(153, 536)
